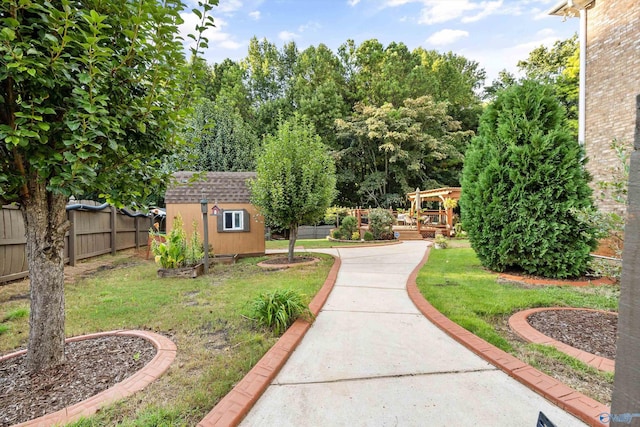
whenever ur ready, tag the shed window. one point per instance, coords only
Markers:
(233, 220)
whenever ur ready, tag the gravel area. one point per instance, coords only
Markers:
(91, 366)
(590, 331)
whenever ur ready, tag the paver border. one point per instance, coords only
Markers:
(577, 404)
(518, 322)
(166, 353)
(235, 405)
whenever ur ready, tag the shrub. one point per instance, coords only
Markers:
(335, 215)
(337, 234)
(440, 241)
(368, 236)
(355, 235)
(523, 176)
(176, 251)
(381, 224)
(349, 226)
(279, 309)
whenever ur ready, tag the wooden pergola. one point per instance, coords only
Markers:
(418, 197)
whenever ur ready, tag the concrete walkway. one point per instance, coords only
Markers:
(371, 359)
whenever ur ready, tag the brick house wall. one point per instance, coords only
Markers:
(612, 83)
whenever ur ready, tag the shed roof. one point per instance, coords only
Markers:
(217, 187)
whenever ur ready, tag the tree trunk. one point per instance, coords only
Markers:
(46, 224)
(625, 403)
(293, 235)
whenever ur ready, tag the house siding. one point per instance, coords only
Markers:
(612, 83)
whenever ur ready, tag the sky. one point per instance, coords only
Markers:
(495, 33)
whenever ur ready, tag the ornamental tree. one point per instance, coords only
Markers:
(295, 181)
(90, 94)
(523, 184)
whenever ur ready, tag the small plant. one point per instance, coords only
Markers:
(440, 242)
(17, 313)
(381, 224)
(349, 226)
(279, 309)
(177, 252)
(337, 234)
(368, 236)
(3, 328)
(355, 235)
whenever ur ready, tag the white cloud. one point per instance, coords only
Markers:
(312, 25)
(287, 35)
(218, 39)
(442, 11)
(228, 6)
(394, 3)
(487, 9)
(255, 15)
(494, 60)
(353, 2)
(447, 36)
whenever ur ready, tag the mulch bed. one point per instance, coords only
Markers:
(285, 260)
(591, 331)
(91, 366)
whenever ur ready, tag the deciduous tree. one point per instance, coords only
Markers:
(295, 181)
(90, 94)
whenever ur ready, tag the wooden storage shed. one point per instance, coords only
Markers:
(238, 229)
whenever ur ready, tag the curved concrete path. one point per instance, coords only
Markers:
(372, 359)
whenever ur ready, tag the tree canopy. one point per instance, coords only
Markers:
(91, 94)
(295, 181)
(334, 89)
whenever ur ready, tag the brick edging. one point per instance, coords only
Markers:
(518, 322)
(577, 404)
(166, 353)
(235, 405)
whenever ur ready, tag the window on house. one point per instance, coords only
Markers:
(233, 220)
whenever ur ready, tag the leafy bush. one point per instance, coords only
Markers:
(523, 176)
(349, 226)
(279, 309)
(337, 234)
(176, 251)
(355, 235)
(335, 215)
(441, 241)
(381, 224)
(368, 236)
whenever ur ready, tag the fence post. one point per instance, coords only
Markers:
(114, 234)
(72, 238)
(137, 224)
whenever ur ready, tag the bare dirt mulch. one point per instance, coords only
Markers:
(591, 331)
(91, 366)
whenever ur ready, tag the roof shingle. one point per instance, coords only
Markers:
(220, 187)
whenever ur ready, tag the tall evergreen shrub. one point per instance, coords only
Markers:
(523, 179)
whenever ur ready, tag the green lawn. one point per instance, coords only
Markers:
(455, 283)
(206, 317)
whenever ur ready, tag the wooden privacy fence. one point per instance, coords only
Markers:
(92, 233)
